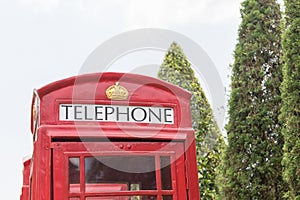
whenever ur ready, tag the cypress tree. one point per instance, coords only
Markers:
(290, 111)
(252, 160)
(176, 69)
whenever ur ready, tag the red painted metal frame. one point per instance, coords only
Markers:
(63, 151)
(90, 89)
(26, 175)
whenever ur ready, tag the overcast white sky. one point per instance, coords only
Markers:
(45, 40)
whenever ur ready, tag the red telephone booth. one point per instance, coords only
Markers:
(107, 136)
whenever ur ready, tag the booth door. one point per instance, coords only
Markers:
(119, 170)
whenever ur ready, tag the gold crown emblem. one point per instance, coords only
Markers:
(117, 92)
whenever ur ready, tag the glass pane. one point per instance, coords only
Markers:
(74, 170)
(134, 172)
(134, 186)
(166, 176)
(123, 198)
(74, 175)
(167, 198)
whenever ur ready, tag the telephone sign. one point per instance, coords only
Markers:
(116, 113)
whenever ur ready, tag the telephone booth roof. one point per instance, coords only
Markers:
(115, 93)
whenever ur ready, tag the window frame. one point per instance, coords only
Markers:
(62, 151)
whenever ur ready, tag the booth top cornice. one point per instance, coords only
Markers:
(109, 98)
(112, 77)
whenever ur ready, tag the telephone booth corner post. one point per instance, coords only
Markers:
(26, 173)
(112, 136)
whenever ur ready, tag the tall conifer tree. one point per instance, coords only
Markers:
(176, 69)
(252, 161)
(290, 112)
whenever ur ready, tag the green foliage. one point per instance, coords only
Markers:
(176, 69)
(252, 161)
(290, 111)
